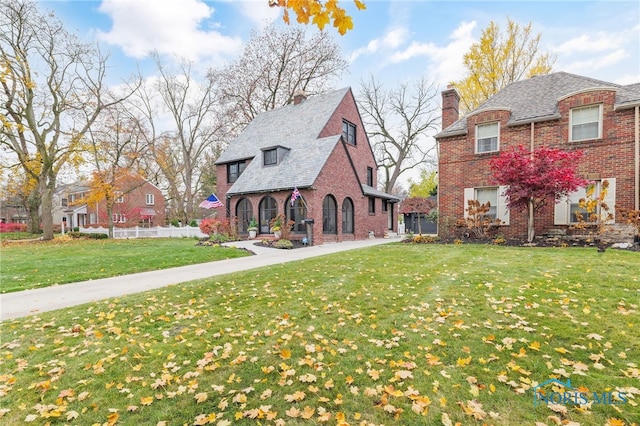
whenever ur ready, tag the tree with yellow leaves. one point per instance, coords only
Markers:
(319, 13)
(499, 59)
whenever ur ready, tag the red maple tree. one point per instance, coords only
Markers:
(535, 178)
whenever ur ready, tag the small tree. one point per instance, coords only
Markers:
(598, 213)
(535, 178)
(478, 221)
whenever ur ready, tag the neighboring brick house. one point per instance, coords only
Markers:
(558, 110)
(319, 146)
(139, 203)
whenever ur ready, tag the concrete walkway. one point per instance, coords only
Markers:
(29, 302)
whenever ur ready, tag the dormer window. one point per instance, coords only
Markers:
(349, 132)
(586, 123)
(487, 137)
(270, 156)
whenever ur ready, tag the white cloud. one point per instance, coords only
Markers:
(257, 11)
(596, 62)
(596, 42)
(445, 62)
(392, 39)
(172, 27)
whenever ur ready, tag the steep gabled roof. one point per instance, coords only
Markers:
(295, 127)
(536, 99)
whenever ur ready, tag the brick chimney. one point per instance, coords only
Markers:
(450, 106)
(299, 97)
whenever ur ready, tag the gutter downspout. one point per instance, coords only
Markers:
(637, 160)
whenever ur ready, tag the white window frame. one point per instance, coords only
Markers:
(562, 209)
(502, 209)
(119, 218)
(118, 197)
(495, 124)
(150, 199)
(599, 122)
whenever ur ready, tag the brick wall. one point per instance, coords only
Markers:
(345, 170)
(134, 194)
(609, 157)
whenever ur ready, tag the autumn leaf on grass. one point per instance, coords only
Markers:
(146, 400)
(463, 362)
(535, 346)
(293, 412)
(294, 397)
(112, 418)
(201, 397)
(473, 409)
(615, 422)
(285, 354)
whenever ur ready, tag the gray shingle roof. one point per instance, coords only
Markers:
(536, 99)
(371, 191)
(295, 127)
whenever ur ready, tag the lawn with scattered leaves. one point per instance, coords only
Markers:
(390, 335)
(36, 264)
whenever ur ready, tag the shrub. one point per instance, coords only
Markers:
(87, 235)
(13, 227)
(219, 228)
(283, 244)
(477, 220)
(424, 239)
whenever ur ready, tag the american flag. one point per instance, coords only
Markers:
(294, 195)
(211, 202)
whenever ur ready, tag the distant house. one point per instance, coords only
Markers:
(319, 146)
(560, 110)
(415, 211)
(138, 203)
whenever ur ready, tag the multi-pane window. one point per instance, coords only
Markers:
(349, 132)
(488, 195)
(65, 202)
(119, 218)
(494, 196)
(150, 199)
(586, 123)
(487, 137)
(270, 156)
(118, 197)
(244, 213)
(568, 211)
(329, 213)
(347, 216)
(268, 210)
(234, 170)
(297, 213)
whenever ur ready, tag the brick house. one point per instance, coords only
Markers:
(319, 146)
(560, 110)
(139, 203)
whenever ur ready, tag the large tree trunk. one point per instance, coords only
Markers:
(530, 228)
(47, 214)
(33, 206)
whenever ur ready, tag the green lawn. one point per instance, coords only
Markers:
(397, 334)
(41, 264)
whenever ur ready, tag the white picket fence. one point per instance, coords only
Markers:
(155, 232)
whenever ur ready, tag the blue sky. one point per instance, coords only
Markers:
(393, 40)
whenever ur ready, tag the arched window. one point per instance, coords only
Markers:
(329, 215)
(268, 210)
(297, 213)
(244, 213)
(347, 216)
